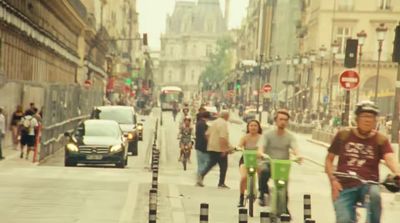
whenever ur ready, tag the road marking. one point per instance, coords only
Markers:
(178, 214)
(130, 204)
(163, 146)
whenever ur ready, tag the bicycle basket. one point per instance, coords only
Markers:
(280, 169)
(250, 158)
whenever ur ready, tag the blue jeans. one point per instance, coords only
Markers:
(202, 161)
(345, 204)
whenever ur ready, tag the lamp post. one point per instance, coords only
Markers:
(288, 63)
(361, 36)
(259, 87)
(310, 77)
(277, 64)
(296, 60)
(334, 49)
(322, 51)
(381, 33)
(304, 61)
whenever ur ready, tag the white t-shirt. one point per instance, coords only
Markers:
(34, 124)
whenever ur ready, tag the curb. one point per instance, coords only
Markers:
(318, 143)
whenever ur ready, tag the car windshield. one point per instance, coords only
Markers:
(97, 129)
(122, 116)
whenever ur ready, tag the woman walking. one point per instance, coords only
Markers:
(14, 125)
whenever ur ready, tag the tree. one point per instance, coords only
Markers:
(219, 63)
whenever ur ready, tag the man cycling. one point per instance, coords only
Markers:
(277, 143)
(359, 150)
(185, 136)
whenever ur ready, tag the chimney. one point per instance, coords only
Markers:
(227, 10)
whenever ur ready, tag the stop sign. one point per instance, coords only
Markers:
(267, 88)
(349, 79)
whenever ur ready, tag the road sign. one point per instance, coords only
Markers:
(325, 99)
(267, 88)
(349, 79)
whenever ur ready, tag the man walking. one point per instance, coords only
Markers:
(218, 148)
(201, 141)
(2, 131)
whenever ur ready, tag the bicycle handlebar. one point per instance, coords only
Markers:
(355, 176)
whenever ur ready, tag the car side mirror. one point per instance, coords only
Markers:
(125, 134)
(67, 134)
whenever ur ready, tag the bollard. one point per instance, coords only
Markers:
(242, 215)
(309, 221)
(307, 206)
(152, 206)
(265, 217)
(203, 213)
(285, 218)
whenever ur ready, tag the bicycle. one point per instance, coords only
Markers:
(250, 162)
(364, 202)
(186, 154)
(280, 170)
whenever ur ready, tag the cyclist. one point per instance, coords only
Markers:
(250, 140)
(359, 150)
(185, 136)
(175, 109)
(277, 144)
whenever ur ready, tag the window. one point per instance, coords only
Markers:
(342, 34)
(170, 76)
(384, 4)
(192, 78)
(345, 5)
(171, 51)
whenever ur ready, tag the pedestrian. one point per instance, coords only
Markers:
(201, 141)
(218, 147)
(249, 141)
(27, 126)
(14, 125)
(277, 144)
(31, 107)
(2, 131)
(359, 150)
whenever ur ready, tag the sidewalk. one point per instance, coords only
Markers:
(11, 156)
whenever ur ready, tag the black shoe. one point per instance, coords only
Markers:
(241, 201)
(223, 186)
(1, 158)
(21, 156)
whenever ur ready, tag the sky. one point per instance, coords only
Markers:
(153, 14)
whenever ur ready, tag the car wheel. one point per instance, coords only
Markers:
(120, 164)
(133, 148)
(126, 161)
(68, 162)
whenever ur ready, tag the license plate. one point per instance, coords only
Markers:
(94, 157)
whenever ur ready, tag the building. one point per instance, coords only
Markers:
(326, 21)
(190, 37)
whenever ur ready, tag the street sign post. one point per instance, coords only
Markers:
(267, 88)
(348, 79)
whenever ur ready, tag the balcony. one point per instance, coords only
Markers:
(79, 8)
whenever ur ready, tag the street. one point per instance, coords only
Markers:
(53, 193)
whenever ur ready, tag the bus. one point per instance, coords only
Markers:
(168, 95)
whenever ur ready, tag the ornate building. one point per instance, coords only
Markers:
(190, 37)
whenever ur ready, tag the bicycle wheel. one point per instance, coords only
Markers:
(251, 195)
(184, 160)
(281, 201)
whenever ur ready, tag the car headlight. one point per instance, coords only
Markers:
(72, 147)
(140, 127)
(116, 148)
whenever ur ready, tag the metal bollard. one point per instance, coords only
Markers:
(203, 213)
(285, 218)
(309, 221)
(242, 215)
(265, 217)
(307, 206)
(152, 206)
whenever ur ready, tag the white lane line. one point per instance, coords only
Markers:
(130, 204)
(178, 214)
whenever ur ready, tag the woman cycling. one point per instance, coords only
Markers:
(250, 140)
(185, 137)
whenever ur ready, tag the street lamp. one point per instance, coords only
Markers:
(304, 61)
(361, 36)
(259, 87)
(335, 49)
(310, 77)
(277, 63)
(296, 60)
(322, 51)
(288, 63)
(381, 33)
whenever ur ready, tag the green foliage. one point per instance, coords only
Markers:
(219, 63)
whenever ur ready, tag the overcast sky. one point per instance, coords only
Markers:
(153, 13)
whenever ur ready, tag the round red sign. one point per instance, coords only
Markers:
(267, 88)
(349, 79)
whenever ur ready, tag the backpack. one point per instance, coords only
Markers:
(26, 124)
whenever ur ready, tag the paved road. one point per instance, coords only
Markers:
(53, 193)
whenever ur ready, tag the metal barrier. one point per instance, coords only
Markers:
(242, 215)
(203, 213)
(309, 221)
(285, 218)
(153, 206)
(155, 154)
(307, 206)
(265, 217)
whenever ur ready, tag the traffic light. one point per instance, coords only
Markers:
(350, 59)
(128, 81)
(396, 43)
(145, 39)
(237, 86)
